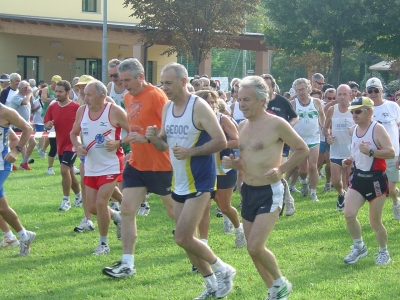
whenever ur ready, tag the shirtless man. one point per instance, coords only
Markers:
(261, 139)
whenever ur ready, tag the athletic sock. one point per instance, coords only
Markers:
(66, 198)
(358, 243)
(278, 282)
(382, 249)
(8, 234)
(129, 259)
(78, 195)
(103, 239)
(218, 265)
(212, 281)
(204, 241)
(240, 228)
(313, 191)
(25, 159)
(22, 235)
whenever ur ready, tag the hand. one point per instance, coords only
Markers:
(330, 139)
(152, 132)
(364, 149)
(274, 175)
(227, 161)
(111, 145)
(346, 162)
(49, 124)
(81, 151)
(135, 137)
(180, 153)
(11, 156)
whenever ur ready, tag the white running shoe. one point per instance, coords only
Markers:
(102, 248)
(281, 292)
(76, 171)
(50, 171)
(327, 188)
(25, 246)
(293, 189)
(313, 197)
(65, 205)
(396, 211)
(304, 188)
(240, 239)
(208, 293)
(115, 206)
(6, 241)
(144, 209)
(289, 209)
(355, 255)
(120, 269)
(228, 226)
(86, 225)
(224, 280)
(42, 153)
(78, 201)
(382, 257)
(118, 226)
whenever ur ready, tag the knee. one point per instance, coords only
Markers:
(375, 223)
(127, 210)
(181, 239)
(254, 250)
(349, 215)
(224, 207)
(92, 209)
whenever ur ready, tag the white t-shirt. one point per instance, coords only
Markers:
(37, 116)
(388, 114)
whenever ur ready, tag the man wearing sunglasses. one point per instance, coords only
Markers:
(388, 114)
(370, 147)
(317, 81)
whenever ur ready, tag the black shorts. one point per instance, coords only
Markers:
(156, 182)
(370, 185)
(286, 150)
(225, 182)
(67, 158)
(258, 200)
(183, 198)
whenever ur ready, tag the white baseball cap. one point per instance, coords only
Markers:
(374, 82)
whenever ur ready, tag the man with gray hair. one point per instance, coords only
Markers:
(10, 90)
(261, 139)
(21, 102)
(311, 118)
(100, 123)
(317, 81)
(147, 170)
(192, 138)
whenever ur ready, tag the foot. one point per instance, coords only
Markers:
(194, 269)
(240, 240)
(327, 188)
(101, 249)
(115, 206)
(86, 225)
(293, 189)
(224, 280)
(25, 166)
(355, 255)
(78, 202)
(76, 171)
(208, 293)
(25, 246)
(313, 197)
(228, 226)
(340, 202)
(290, 209)
(6, 241)
(382, 257)
(304, 189)
(396, 211)
(120, 269)
(50, 171)
(118, 226)
(65, 205)
(281, 292)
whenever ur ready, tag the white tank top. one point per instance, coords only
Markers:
(75, 97)
(307, 126)
(99, 161)
(361, 161)
(196, 173)
(237, 113)
(118, 98)
(341, 122)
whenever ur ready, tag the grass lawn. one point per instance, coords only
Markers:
(310, 247)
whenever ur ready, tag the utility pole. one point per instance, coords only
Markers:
(104, 56)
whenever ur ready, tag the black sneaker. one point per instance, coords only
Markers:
(31, 161)
(194, 269)
(340, 202)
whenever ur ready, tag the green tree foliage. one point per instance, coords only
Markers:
(298, 26)
(191, 27)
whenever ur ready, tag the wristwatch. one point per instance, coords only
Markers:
(18, 148)
(121, 143)
(371, 152)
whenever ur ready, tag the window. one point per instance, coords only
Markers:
(28, 67)
(89, 5)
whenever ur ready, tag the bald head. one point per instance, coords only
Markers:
(344, 93)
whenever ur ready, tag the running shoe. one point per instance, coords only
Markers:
(313, 197)
(76, 171)
(240, 239)
(208, 293)
(25, 166)
(78, 201)
(120, 269)
(118, 226)
(304, 188)
(115, 206)
(228, 226)
(382, 257)
(355, 255)
(25, 246)
(327, 188)
(224, 280)
(293, 189)
(144, 209)
(42, 153)
(340, 202)
(65, 205)
(290, 209)
(219, 214)
(6, 241)
(50, 171)
(86, 225)
(281, 292)
(102, 248)
(396, 211)
(194, 269)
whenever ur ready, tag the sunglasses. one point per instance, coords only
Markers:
(114, 75)
(358, 111)
(376, 91)
(320, 83)
(331, 98)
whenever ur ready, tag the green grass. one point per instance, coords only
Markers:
(310, 247)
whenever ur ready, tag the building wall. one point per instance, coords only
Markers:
(68, 9)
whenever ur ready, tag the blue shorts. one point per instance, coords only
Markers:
(3, 177)
(39, 128)
(324, 147)
(336, 161)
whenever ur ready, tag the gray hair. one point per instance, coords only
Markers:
(114, 63)
(317, 76)
(262, 90)
(23, 84)
(233, 81)
(100, 87)
(75, 81)
(299, 81)
(132, 65)
(32, 82)
(330, 90)
(14, 76)
(179, 69)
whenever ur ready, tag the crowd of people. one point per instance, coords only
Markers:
(189, 143)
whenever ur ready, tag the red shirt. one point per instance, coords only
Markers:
(64, 118)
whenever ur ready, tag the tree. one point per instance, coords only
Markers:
(298, 26)
(191, 27)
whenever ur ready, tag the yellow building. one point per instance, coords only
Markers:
(41, 38)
